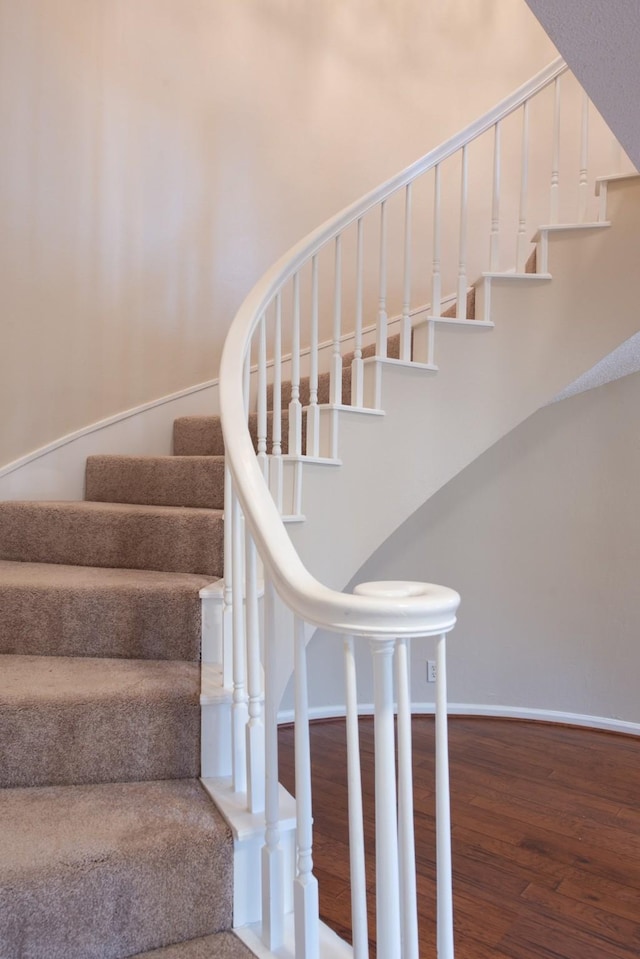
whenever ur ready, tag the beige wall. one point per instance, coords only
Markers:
(541, 536)
(158, 155)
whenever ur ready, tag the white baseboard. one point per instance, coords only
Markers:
(607, 723)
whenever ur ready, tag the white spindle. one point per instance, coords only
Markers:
(305, 890)
(359, 926)
(405, 325)
(227, 603)
(357, 384)
(443, 813)
(555, 160)
(239, 703)
(313, 412)
(583, 186)
(522, 244)
(461, 310)
(336, 358)
(272, 852)
(246, 381)
(381, 333)
(262, 398)
(494, 242)
(275, 470)
(255, 727)
(436, 284)
(387, 875)
(295, 408)
(408, 895)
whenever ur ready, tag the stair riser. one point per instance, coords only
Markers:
(190, 541)
(162, 481)
(100, 622)
(121, 878)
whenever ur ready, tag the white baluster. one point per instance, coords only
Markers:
(263, 462)
(357, 384)
(239, 704)
(305, 890)
(272, 852)
(436, 285)
(275, 471)
(405, 325)
(313, 413)
(461, 310)
(522, 244)
(359, 926)
(295, 408)
(583, 185)
(381, 332)
(408, 896)
(255, 727)
(387, 875)
(494, 242)
(246, 381)
(443, 813)
(227, 604)
(336, 358)
(555, 161)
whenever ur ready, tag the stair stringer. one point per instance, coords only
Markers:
(546, 333)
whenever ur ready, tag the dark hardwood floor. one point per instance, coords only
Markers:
(546, 836)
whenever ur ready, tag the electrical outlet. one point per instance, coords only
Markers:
(431, 671)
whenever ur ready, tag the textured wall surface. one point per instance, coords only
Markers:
(600, 41)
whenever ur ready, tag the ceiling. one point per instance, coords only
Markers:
(600, 40)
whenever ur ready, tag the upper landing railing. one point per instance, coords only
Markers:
(380, 267)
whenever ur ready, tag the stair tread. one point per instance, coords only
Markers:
(80, 533)
(110, 870)
(189, 481)
(69, 720)
(59, 610)
(40, 680)
(107, 578)
(222, 945)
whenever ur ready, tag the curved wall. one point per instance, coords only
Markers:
(159, 155)
(541, 536)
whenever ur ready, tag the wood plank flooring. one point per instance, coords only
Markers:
(546, 836)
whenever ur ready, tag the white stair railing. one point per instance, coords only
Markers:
(379, 259)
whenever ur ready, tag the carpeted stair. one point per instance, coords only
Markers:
(109, 846)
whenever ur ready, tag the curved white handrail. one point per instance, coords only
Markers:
(430, 610)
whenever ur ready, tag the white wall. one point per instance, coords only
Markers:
(157, 156)
(541, 536)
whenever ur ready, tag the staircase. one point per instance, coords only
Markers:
(110, 846)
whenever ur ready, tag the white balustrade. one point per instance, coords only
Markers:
(405, 325)
(555, 160)
(336, 358)
(240, 712)
(583, 185)
(273, 893)
(387, 616)
(359, 924)
(313, 413)
(461, 299)
(255, 726)
(522, 244)
(357, 372)
(295, 407)
(382, 330)
(275, 466)
(262, 399)
(307, 936)
(494, 242)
